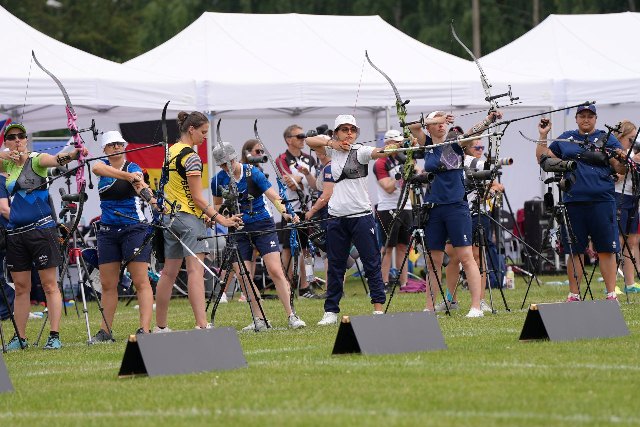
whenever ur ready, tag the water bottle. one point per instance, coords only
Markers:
(308, 269)
(510, 282)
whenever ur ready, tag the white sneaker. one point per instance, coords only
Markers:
(209, 326)
(295, 322)
(377, 313)
(159, 330)
(453, 305)
(259, 325)
(223, 298)
(328, 318)
(475, 312)
(484, 306)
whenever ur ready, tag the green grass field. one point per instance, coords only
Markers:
(486, 377)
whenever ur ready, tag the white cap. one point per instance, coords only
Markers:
(111, 136)
(394, 135)
(433, 114)
(344, 119)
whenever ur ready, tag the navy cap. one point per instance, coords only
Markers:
(590, 107)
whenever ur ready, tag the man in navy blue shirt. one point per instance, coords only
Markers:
(590, 202)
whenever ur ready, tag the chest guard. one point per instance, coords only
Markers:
(119, 189)
(353, 169)
(28, 179)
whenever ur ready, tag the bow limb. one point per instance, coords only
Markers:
(72, 125)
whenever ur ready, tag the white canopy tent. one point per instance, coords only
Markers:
(588, 57)
(306, 69)
(99, 89)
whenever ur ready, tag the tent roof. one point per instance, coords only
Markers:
(28, 94)
(589, 57)
(245, 61)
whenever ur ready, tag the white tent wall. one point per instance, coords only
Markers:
(97, 88)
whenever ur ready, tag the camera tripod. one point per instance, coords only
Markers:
(72, 257)
(560, 216)
(231, 256)
(420, 218)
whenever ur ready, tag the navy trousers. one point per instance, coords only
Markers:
(341, 232)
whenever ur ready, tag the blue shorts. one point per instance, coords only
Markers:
(265, 243)
(452, 221)
(627, 208)
(592, 219)
(117, 243)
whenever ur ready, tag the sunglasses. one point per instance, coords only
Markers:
(258, 151)
(115, 144)
(478, 147)
(299, 136)
(346, 129)
(15, 136)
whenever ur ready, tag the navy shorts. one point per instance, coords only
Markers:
(592, 219)
(117, 243)
(265, 243)
(451, 220)
(626, 209)
(39, 248)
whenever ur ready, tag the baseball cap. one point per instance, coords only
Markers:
(109, 137)
(344, 119)
(433, 114)
(590, 107)
(223, 154)
(15, 125)
(394, 135)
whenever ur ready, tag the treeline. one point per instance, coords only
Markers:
(123, 29)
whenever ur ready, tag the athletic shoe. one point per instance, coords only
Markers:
(209, 326)
(573, 298)
(453, 305)
(328, 318)
(308, 293)
(224, 299)
(295, 322)
(258, 326)
(475, 312)
(102, 336)
(484, 306)
(242, 298)
(613, 298)
(159, 330)
(141, 331)
(632, 289)
(53, 343)
(14, 344)
(377, 312)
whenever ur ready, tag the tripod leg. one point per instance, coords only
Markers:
(44, 323)
(397, 279)
(83, 272)
(10, 310)
(85, 310)
(364, 285)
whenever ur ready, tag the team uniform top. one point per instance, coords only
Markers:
(177, 187)
(593, 183)
(286, 163)
(252, 183)
(448, 184)
(349, 195)
(387, 201)
(117, 195)
(28, 209)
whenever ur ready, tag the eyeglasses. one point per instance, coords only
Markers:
(115, 144)
(478, 147)
(298, 136)
(14, 136)
(346, 129)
